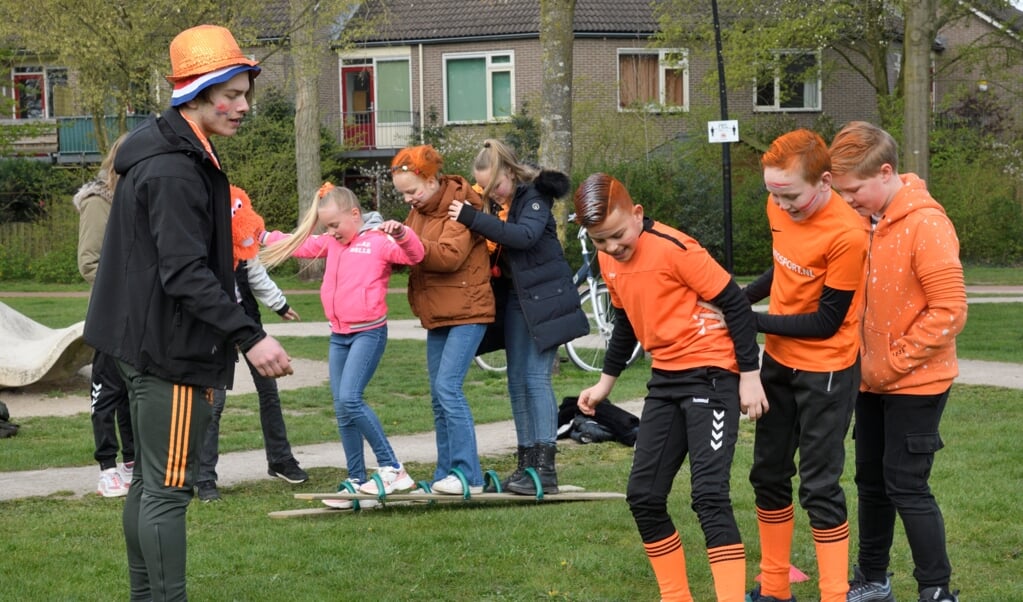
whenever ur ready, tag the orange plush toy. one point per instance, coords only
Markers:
(246, 226)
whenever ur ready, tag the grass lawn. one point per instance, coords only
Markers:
(71, 549)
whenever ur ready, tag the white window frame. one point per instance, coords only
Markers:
(491, 69)
(8, 89)
(664, 64)
(777, 107)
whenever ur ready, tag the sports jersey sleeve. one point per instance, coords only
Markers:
(741, 326)
(820, 324)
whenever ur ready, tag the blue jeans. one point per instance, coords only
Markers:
(533, 405)
(449, 349)
(271, 419)
(353, 359)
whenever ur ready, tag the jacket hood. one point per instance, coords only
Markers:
(553, 184)
(370, 220)
(93, 188)
(157, 135)
(911, 197)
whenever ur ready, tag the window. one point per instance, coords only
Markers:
(394, 92)
(653, 80)
(479, 87)
(40, 92)
(792, 83)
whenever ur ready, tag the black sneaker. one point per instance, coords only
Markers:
(207, 491)
(288, 470)
(862, 589)
(755, 596)
(938, 594)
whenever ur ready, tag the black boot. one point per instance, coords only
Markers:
(541, 459)
(523, 454)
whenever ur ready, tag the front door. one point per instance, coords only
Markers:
(357, 106)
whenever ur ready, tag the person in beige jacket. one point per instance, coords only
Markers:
(450, 293)
(109, 398)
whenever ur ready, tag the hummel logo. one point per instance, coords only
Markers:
(96, 389)
(717, 432)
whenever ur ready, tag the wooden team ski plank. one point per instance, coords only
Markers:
(568, 493)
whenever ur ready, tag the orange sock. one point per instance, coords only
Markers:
(669, 563)
(728, 565)
(776, 527)
(833, 561)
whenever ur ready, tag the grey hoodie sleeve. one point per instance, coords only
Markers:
(263, 287)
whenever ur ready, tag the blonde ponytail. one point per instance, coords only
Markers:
(275, 254)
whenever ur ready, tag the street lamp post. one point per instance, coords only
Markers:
(726, 155)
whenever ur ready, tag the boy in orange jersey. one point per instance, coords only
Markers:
(658, 277)
(811, 368)
(915, 307)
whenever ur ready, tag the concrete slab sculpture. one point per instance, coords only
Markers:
(31, 352)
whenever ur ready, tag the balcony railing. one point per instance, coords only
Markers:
(371, 130)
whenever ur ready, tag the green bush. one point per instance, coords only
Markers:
(14, 263)
(59, 265)
(28, 188)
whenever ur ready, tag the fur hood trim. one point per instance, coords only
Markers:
(93, 188)
(554, 184)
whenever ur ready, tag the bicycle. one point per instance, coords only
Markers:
(586, 352)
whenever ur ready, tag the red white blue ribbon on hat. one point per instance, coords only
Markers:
(188, 89)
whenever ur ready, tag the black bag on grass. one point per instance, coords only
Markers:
(609, 423)
(7, 428)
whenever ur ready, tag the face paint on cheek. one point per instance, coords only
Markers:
(221, 108)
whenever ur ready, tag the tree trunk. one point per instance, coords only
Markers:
(920, 15)
(556, 40)
(307, 55)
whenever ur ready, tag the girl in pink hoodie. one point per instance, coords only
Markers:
(360, 249)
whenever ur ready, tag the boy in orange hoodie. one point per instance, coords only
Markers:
(915, 306)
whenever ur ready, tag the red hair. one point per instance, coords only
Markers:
(599, 196)
(799, 148)
(424, 161)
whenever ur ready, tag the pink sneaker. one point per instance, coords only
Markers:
(394, 479)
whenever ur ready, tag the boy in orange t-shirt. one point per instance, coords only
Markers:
(811, 369)
(658, 277)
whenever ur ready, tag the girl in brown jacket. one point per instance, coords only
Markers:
(450, 293)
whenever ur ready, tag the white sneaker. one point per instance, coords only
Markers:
(111, 484)
(393, 479)
(127, 470)
(452, 485)
(347, 504)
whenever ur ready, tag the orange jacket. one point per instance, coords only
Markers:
(451, 286)
(916, 297)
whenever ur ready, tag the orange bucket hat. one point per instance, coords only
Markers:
(202, 56)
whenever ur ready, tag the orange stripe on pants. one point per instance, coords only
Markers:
(177, 448)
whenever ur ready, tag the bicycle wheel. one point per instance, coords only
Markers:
(587, 352)
(494, 361)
